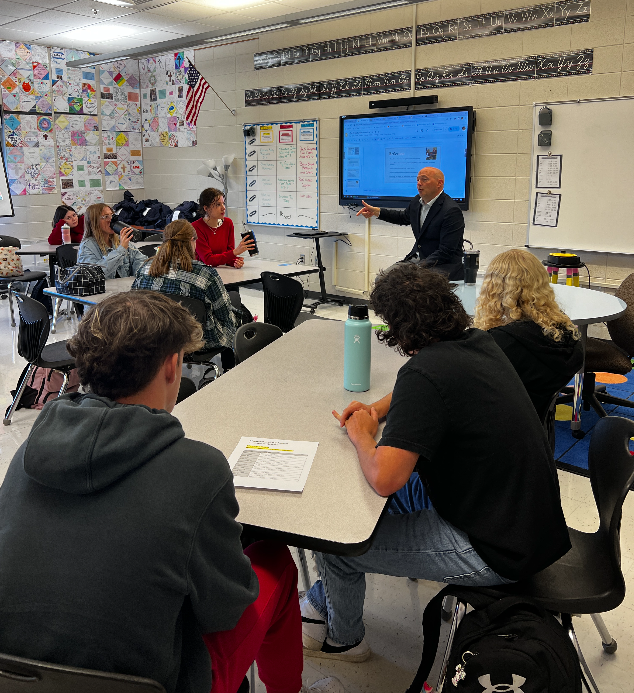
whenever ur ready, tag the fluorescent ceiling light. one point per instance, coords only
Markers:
(249, 32)
(359, 10)
(106, 62)
(119, 3)
(101, 33)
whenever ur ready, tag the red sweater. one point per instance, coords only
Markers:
(215, 246)
(76, 234)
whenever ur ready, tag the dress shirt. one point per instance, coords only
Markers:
(425, 207)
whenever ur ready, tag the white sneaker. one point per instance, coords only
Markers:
(314, 628)
(329, 685)
(332, 650)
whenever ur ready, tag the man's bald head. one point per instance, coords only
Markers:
(430, 182)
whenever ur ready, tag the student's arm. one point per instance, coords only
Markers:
(381, 406)
(137, 259)
(90, 254)
(221, 582)
(386, 468)
(205, 254)
(396, 216)
(55, 237)
(221, 315)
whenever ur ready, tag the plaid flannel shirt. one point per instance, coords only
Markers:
(203, 283)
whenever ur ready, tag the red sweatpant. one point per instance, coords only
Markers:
(269, 631)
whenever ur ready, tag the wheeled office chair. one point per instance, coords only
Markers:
(18, 674)
(588, 579)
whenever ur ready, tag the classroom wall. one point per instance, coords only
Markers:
(501, 153)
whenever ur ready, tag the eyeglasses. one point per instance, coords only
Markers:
(107, 216)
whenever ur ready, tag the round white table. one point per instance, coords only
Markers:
(582, 306)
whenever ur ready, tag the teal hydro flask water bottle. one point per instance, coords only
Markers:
(356, 351)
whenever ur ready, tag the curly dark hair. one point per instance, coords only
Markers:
(418, 306)
(208, 197)
(123, 341)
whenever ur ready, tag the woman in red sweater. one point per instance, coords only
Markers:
(216, 244)
(66, 215)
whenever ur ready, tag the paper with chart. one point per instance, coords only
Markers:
(548, 171)
(278, 465)
(546, 210)
(282, 174)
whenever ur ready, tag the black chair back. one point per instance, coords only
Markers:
(186, 389)
(622, 329)
(283, 299)
(194, 305)
(611, 474)
(155, 237)
(30, 676)
(252, 337)
(149, 250)
(9, 242)
(66, 256)
(34, 327)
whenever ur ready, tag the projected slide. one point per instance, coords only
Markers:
(381, 156)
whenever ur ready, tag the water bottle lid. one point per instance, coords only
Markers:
(471, 252)
(358, 312)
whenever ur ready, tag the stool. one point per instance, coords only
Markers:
(560, 261)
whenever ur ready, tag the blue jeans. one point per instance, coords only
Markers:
(411, 541)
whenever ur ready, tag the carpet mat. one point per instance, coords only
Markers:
(571, 454)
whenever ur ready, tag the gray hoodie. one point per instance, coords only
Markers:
(119, 545)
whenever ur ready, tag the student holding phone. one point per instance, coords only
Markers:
(216, 242)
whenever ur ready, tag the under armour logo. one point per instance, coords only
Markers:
(357, 339)
(485, 682)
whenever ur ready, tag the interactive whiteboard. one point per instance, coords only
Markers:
(589, 175)
(282, 174)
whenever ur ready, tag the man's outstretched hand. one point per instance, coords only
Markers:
(368, 211)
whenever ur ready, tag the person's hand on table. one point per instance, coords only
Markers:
(238, 262)
(126, 236)
(244, 245)
(362, 424)
(349, 411)
(367, 211)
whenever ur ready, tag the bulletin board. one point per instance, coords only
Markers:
(282, 174)
(581, 185)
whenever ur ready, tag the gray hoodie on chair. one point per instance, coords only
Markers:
(119, 545)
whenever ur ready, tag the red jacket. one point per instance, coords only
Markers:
(76, 234)
(215, 246)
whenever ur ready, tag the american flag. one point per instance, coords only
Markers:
(197, 87)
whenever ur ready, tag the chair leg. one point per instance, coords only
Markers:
(304, 568)
(448, 606)
(10, 287)
(608, 642)
(18, 395)
(586, 674)
(58, 303)
(252, 682)
(62, 389)
(459, 611)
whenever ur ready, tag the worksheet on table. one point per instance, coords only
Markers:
(278, 465)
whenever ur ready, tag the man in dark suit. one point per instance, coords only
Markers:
(436, 221)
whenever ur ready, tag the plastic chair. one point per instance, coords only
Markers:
(252, 337)
(186, 389)
(32, 337)
(6, 283)
(201, 358)
(588, 579)
(65, 256)
(155, 237)
(31, 676)
(149, 250)
(283, 300)
(611, 356)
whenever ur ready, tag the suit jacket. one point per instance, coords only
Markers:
(439, 242)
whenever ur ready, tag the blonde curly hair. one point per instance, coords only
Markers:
(516, 287)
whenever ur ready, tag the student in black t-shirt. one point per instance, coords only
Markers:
(460, 418)
(517, 306)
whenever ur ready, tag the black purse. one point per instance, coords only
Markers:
(81, 280)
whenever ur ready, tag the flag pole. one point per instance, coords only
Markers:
(231, 110)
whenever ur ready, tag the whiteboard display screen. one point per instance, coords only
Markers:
(282, 174)
(589, 164)
(6, 203)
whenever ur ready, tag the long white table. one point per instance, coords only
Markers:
(231, 277)
(274, 395)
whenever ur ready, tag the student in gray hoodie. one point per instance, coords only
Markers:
(119, 543)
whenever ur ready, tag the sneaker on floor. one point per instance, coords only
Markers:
(314, 628)
(329, 685)
(358, 652)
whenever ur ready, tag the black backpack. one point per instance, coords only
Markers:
(506, 644)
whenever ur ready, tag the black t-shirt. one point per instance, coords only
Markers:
(484, 457)
(543, 365)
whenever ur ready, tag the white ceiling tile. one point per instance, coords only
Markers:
(44, 4)
(150, 21)
(190, 28)
(29, 26)
(14, 9)
(14, 34)
(221, 21)
(268, 11)
(85, 8)
(183, 11)
(155, 36)
(64, 20)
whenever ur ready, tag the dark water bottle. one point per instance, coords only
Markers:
(250, 234)
(471, 259)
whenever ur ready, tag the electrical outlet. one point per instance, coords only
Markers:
(302, 260)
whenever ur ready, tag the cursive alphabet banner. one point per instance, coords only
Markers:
(491, 71)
